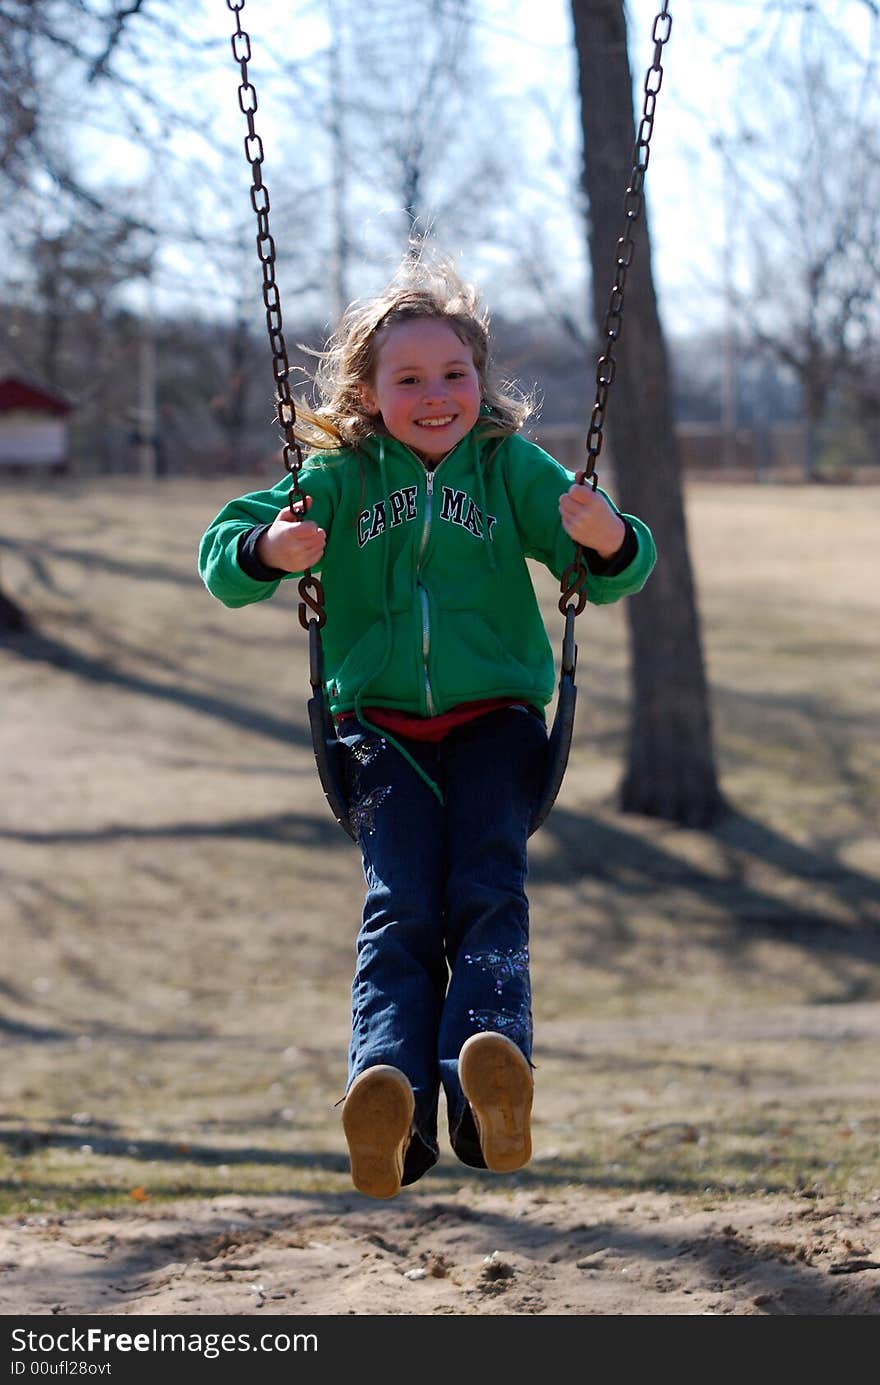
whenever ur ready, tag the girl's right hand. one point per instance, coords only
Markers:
(291, 543)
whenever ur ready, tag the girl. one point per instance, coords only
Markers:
(424, 503)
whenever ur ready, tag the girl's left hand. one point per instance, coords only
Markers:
(588, 518)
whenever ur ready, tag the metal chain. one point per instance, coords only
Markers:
(606, 366)
(310, 589)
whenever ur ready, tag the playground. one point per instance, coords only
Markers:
(179, 913)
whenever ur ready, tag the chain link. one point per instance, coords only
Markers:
(310, 589)
(606, 366)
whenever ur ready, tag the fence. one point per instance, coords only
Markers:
(777, 451)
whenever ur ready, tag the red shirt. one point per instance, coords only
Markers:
(417, 728)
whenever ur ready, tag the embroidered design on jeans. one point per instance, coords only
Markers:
(503, 966)
(363, 814)
(366, 752)
(516, 1026)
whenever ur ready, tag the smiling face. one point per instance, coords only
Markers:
(426, 387)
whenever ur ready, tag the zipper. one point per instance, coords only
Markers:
(423, 594)
(426, 649)
(429, 507)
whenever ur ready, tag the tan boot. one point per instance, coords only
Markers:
(377, 1119)
(497, 1081)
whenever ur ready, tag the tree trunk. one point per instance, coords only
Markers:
(815, 405)
(235, 415)
(13, 620)
(670, 771)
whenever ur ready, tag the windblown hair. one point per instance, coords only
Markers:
(424, 286)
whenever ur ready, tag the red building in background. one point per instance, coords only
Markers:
(33, 426)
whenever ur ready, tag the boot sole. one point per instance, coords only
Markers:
(377, 1119)
(498, 1083)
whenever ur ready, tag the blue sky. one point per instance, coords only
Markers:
(530, 47)
(704, 92)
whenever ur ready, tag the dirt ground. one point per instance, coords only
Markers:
(178, 917)
(565, 1251)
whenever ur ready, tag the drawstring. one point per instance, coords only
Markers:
(386, 654)
(481, 500)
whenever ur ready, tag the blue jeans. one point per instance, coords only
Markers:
(442, 951)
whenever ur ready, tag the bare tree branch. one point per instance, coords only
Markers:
(99, 66)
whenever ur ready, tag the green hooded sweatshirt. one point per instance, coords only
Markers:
(429, 598)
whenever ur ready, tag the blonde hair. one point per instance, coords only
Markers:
(424, 286)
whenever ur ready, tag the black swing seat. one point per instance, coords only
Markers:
(329, 752)
(559, 740)
(325, 742)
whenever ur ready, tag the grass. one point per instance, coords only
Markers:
(179, 910)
